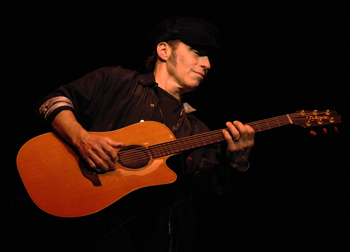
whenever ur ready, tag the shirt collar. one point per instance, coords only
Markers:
(147, 79)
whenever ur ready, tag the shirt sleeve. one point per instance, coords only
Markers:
(208, 171)
(54, 105)
(81, 96)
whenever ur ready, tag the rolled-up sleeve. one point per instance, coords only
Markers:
(50, 108)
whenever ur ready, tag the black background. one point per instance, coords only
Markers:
(278, 56)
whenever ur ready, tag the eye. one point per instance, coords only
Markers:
(199, 53)
(195, 51)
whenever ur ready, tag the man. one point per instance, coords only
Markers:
(112, 98)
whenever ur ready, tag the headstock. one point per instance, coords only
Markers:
(311, 118)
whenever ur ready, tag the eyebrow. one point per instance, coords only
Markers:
(200, 51)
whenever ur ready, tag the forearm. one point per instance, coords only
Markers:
(97, 151)
(66, 125)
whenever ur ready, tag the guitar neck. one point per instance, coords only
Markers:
(211, 137)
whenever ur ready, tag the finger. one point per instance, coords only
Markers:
(121, 145)
(109, 155)
(246, 131)
(90, 162)
(228, 137)
(110, 152)
(251, 133)
(96, 163)
(233, 131)
(98, 156)
(115, 144)
(243, 130)
(232, 144)
(104, 160)
(93, 166)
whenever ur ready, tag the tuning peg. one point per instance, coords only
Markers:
(324, 130)
(312, 132)
(336, 130)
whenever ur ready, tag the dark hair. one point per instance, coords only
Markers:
(152, 59)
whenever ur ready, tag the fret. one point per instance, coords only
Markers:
(269, 123)
(278, 122)
(255, 127)
(199, 140)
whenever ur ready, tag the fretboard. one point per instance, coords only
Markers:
(211, 137)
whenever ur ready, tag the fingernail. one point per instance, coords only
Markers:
(119, 145)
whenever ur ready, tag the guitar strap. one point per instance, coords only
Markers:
(89, 174)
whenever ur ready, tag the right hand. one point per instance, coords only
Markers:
(98, 151)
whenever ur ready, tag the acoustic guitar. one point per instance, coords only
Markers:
(60, 184)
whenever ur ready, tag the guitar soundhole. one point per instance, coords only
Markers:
(134, 156)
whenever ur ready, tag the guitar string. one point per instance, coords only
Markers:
(215, 132)
(271, 123)
(210, 137)
(181, 144)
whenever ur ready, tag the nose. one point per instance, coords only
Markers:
(205, 63)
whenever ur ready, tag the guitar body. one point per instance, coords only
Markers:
(50, 171)
(57, 182)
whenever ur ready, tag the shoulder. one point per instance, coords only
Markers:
(114, 71)
(197, 125)
(122, 74)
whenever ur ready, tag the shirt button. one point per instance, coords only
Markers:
(152, 105)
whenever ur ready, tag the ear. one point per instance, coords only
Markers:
(163, 51)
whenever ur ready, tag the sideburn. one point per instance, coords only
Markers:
(173, 58)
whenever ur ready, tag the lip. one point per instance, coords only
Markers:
(200, 74)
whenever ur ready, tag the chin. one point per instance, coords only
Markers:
(192, 88)
(193, 85)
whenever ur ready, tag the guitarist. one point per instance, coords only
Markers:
(112, 97)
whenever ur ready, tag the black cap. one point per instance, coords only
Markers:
(191, 31)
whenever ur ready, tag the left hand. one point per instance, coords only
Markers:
(240, 140)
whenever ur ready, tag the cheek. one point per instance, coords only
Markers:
(185, 62)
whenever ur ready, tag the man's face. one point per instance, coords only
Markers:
(188, 67)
